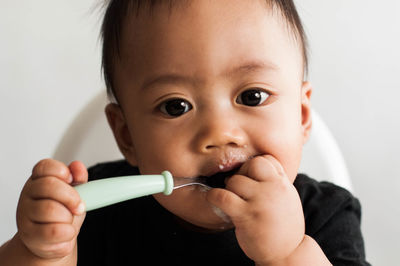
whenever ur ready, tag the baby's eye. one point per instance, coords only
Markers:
(252, 97)
(175, 107)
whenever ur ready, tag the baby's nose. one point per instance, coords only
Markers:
(219, 132)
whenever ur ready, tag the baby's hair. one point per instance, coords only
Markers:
(116, 12)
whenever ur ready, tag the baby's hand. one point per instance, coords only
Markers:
(265, 208)
(50, 212)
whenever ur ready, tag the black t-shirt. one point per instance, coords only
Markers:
(141, 232)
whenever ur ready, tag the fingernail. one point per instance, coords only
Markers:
(81, 208)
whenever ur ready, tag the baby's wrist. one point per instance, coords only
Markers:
(15, 252)
(308, 252)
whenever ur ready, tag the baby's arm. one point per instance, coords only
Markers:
(49, 216)
(267, 213)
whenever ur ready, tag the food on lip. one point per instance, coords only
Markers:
(218, 170)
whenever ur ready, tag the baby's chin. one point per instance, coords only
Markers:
(217, 222)
(218, 226)
(190, 204)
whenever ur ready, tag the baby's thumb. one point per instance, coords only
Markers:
(78, 221)
(79, 172)
(80, 175)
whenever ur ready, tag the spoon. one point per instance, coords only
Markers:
(100, 193)
(190, 181)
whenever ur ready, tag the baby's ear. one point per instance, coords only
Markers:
(306, 121)
(117, 122)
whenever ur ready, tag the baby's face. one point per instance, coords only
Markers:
(204, 89)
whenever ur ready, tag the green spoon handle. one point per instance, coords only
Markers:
(104, 192)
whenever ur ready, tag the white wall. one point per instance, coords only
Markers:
(355, 69)
(50, 66)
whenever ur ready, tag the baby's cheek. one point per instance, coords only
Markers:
(180, 202)
(169, 202)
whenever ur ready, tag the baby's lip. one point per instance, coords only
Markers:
(225, 163)
(220, 171)
(217, 170)
(217, 180)
(220, 168)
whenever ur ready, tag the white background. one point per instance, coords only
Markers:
(50, 67)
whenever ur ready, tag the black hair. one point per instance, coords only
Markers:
(116, 11)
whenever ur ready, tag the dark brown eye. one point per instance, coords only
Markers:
(252, 97)
(175, 107)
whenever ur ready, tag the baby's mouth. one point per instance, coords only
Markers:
(218, 180)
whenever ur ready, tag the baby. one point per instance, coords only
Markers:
(199, 88)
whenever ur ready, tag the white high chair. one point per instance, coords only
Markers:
(90, 140)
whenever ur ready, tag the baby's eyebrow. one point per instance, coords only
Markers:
(247, 67)
(167, 79)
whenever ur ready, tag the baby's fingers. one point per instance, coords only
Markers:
(47, 211)
(50, 167)
(79, 172)
(48, 234)
(50, 240)
(230, 203)
(262, 168)
(56, 189)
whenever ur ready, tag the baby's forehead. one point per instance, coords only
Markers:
(149, 22)
(153, 10)
(127, 21)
